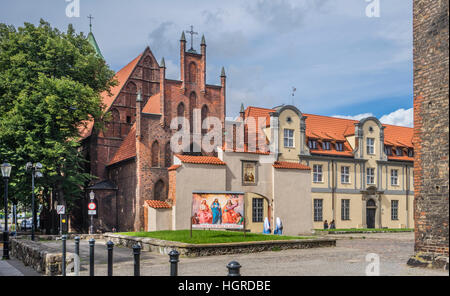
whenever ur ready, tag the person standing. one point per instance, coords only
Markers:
(332, 225)
(325, 224)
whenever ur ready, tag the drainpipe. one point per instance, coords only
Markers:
(407, 196)
(333, 190)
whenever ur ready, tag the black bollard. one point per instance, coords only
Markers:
(234, 269)
(174, 259)
(110, 247)
(91, 256)
(63, 267)
(77, 246)
(137, 254)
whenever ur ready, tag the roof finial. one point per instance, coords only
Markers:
(223, 73)
(90, 17)
(163, 63)
(203, 40)
(183, 37)
(242, 108)
(192, 38)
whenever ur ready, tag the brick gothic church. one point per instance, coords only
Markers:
(131, 155)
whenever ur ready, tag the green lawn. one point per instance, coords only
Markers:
(350, 230)
(209, 236)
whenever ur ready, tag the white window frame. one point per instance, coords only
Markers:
(370, 177)
(317, 173)
(289, 139)
(394, 209)
(318, 210)
(370, 146)
(345, 175)
(394, 177)
(345, 209)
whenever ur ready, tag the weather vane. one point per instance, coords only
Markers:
(192, 37)
(293, 94)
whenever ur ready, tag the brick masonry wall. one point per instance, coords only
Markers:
(431, 130)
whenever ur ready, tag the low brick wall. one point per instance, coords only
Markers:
(38, 256)
(191, 250)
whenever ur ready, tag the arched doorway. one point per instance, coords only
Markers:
(371, 209)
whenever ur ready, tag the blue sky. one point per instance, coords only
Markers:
(342, 62)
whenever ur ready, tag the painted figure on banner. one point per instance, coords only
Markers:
(204, 214)
(216, 212)
(229, 215)
(266, 226)
(239, 219)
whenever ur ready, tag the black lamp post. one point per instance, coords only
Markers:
(6, 172)
(35, 173)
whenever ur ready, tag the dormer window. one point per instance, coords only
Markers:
(411, 152)
(312, 144)
(340, 146)
(388, 150)
(326, 145)
(399, 151)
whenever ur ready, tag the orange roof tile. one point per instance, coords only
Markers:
(107, 99)
(337, 129)
(200, 159)
(290, 165)
(128, 148)
(153, 105)
(174, 167)
(158, 204)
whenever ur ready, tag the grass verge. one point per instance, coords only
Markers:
(210, 236)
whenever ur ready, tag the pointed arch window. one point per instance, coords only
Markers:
(155, 154)
(159, 191)
(204, 116)
(192, 72)
(168, 155)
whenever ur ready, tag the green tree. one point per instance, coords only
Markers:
(50, 85)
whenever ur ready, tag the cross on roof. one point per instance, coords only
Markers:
(192, 37)
(90, 17)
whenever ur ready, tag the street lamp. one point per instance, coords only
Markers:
(35, 173)
(91, 228)
(6, 172)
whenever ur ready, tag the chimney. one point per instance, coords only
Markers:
(183, 62)
(162, 89)
(203, 74)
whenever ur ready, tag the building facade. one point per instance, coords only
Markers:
(130, 157)
(361, 171)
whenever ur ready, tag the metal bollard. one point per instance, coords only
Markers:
(91, 256)
(234, 268)
(63, 267)
(174, 259)
(110, 247)
(137, 254)
(77, 246)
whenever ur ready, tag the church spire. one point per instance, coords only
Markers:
(92, 40)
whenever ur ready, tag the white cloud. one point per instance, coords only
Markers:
(400, 117)
(354, 117)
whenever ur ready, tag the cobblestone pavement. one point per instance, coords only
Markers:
(348, 258)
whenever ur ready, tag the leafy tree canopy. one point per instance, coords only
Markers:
(50, 85)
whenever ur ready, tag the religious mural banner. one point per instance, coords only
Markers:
(223, 210)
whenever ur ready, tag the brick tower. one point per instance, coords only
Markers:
(431, 133)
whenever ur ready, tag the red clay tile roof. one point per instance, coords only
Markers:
(337, 129)
(121, 77)
(153, 105)
(128, 148)
(157, 204)
(290, 165)
(200, 159)
(174, 167)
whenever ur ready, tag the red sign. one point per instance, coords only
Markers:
(92, 206)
